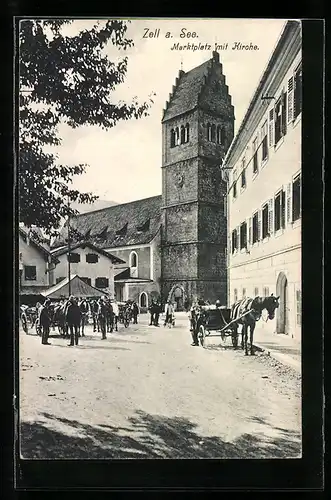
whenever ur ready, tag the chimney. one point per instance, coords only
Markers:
(216, 56)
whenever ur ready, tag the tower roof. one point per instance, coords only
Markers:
(188, 87)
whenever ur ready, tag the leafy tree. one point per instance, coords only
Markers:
(64, 79)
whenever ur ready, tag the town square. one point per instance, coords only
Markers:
(159, 240)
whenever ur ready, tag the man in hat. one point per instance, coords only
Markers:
(102, 316)
(45, 321)
(73, 319)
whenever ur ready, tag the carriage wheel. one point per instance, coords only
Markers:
(202, 335)
(126, 322)
(24, 324)
(234, 337)
(37, 327)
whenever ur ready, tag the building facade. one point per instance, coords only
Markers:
(93, 265)
(263, 166)
(36, 265)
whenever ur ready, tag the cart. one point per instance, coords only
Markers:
(217, 323)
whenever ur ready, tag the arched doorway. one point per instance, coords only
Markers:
(282, 316)
(177, 296)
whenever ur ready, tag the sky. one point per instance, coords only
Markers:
(125, 162)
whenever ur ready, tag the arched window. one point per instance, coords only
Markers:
(177, 137)
(133, 260)
(172, 138)
(143, 300)
(208, 132)
(213, 133)
(187, 132)
(182, 134)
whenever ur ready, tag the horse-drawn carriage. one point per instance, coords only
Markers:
(210, 321)
(28, 317)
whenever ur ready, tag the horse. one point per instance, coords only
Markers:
(252, 308)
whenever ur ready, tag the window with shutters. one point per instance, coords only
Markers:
(264, 140)
(298, 306)
(101, 282)
(255, 229)
(74, 258)
(280, 210)
(255, 158)
(256, 292)
(297, 91)
(92, 258)
(30, 273)
(234, 240)
(296, 198)
(86, 280)
(265, 221)
(280, 117)
(243, 235)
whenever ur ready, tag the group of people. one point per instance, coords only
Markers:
(72, 315)
(155, 309)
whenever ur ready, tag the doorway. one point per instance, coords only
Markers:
(282, 316)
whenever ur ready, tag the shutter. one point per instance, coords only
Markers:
(271, 216)
(283, 209)
(250, 232)
(284, 113)
(259, 225)
(290, 100)
(289, 203)
(271, 128)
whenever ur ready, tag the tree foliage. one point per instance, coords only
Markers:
(64, 79)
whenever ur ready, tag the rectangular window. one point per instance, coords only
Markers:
(244, 293)
(30, 273)
(297, 91)
(255, 159)
(102, 282)
(256, 292)
(243, 179)
(243, 235)
(296, 198)
(255, 227)
(280, 210)
(61, 278)
(234, 240)
(86, 280)
(265, 221)
(298, 304)
(235, 295)
(280, 117)
(235, 189)
(92, 258)
(271, 128)
(74, 258)
(265, 291)
(264, 137)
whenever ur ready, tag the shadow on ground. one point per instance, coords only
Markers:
(149, 436)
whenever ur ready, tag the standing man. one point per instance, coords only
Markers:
(116, 313)
(73, 319)
(102, 316)
(135, 312)
(158, 309)
(83, 306)
(169, 313)
(45, 321)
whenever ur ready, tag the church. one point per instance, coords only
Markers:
(175, 245)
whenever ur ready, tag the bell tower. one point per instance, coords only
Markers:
(197, 130)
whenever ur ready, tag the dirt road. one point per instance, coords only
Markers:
(146, 393)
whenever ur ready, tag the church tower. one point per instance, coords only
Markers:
(197, 130)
